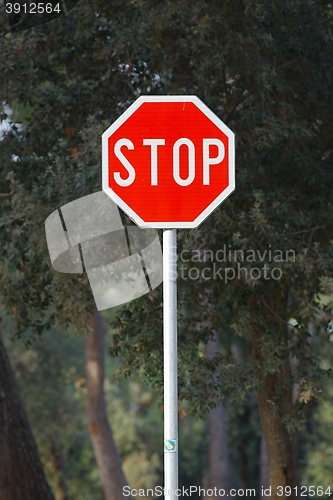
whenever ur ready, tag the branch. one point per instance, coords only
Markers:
(305, 230)
(5, 196)
(239, 101)
(275, 314)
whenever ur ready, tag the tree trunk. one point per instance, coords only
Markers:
(218, 453)
(61, 490)
(101, 434)
(280, 444)
(21, 472)
(264, 471)
(218, 449)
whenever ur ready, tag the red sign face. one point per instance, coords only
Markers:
(168, 161)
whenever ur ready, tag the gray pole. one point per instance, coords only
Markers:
(170, 362)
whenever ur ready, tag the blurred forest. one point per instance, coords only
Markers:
(255, 354)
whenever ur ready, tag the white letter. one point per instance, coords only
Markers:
(153, 143)
(130, 169)
(191, 161)
(158, 491)
(126, 491)
(207, 161)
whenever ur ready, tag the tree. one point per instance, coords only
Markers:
(100, 431)
(21, 472)
(219, 472)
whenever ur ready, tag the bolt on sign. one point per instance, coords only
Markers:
(168, 161)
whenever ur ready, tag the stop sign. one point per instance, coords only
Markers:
(168, 161)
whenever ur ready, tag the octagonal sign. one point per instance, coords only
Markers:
(168, 161)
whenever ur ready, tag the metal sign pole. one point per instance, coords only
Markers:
(170, 362)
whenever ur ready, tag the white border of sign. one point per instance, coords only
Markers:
(122, 119)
